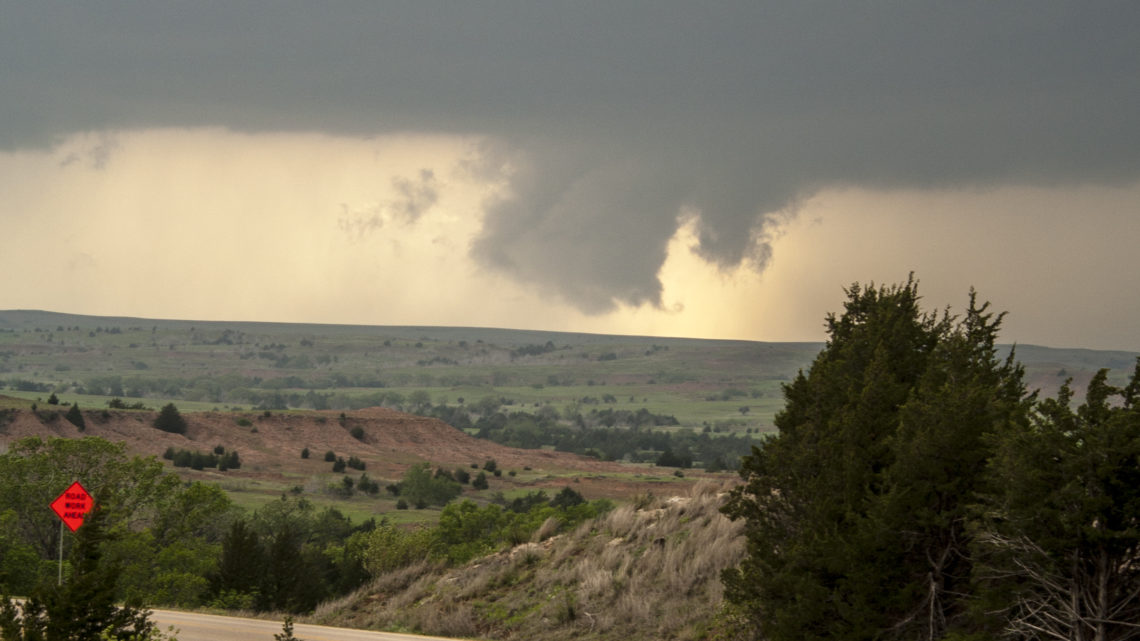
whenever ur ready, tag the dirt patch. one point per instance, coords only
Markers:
(270, 445)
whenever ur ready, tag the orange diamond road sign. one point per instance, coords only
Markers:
(73, 505)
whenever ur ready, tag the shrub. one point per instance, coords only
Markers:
(170, 420)
(420, 486)
(330, 456)
(229, 461)
(367, 485)
(305, 453)
(76, 417)
(339, 465)
(357, 433)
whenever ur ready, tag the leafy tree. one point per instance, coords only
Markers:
(857, 511)
(170, 561)
(480, 482)
(162, 535)
(170, 420)
(389, 548)
(466, 530)
(20, 567)
(33, 472)
(1061, 529)
(419, 486)
(84, 607)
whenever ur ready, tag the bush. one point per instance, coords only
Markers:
(170, 420)
(119, 404)
(367, 485)
(421, 487)
(76, 417)
(339, 465)
(330, 456)
(357, 433)
(229, 461)
(305, 453)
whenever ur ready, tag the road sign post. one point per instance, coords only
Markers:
(72, 507)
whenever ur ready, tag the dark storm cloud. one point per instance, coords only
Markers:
(620, 115)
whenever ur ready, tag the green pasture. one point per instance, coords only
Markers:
(207, 365)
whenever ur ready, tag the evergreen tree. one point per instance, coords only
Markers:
(855, 511)
(170, 420)
(84, 608)
(1061, 531)
(76, 417)
(240, 568)
(941, 450)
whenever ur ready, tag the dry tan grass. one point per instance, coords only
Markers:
(652, 573)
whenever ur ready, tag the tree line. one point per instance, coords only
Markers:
(608, 434)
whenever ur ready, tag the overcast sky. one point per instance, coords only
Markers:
(716, 170)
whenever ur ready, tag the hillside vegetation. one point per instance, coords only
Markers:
(647, 570)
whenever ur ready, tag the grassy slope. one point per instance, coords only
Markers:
(647, 571)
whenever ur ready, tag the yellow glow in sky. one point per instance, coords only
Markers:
(214, 225)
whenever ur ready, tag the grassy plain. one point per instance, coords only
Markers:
(217, 365)
(731, 385)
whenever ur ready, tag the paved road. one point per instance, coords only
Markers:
(210, 627)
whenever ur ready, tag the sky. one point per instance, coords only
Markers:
(665, 168)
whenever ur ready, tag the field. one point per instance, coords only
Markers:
(733, 385)
(284, 379)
